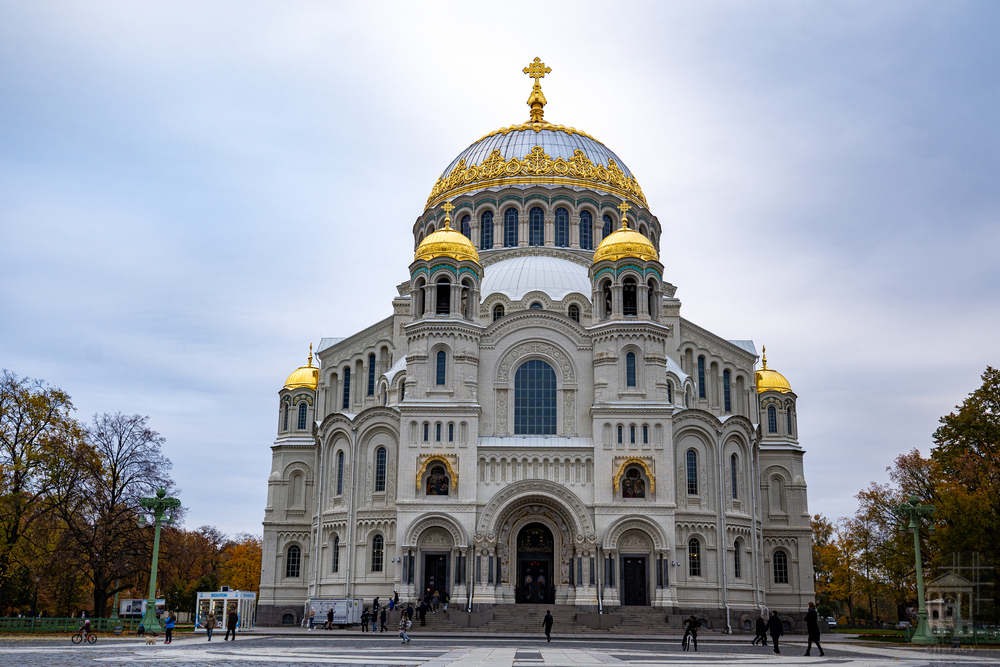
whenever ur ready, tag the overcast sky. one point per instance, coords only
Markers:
(192, 192)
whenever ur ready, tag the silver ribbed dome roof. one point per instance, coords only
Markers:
(557, 142)
(517, 276)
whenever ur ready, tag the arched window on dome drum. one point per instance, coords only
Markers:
(535, 399)
(284, 421)
(620, 431)
(606, 292)
(437, 432)
(574, 312)
(442, 364)
(340, 473)
(468, 311)
(692, 472)
(586, 230)
(336, 553)
(562, 227)
(630, 369)
(426, 431)
(606, 232)
(670, 392)
(701, 377)
(772, 419)
(780, 562)
(535, 306)
(380, 470)
(629, 298)
(651, 304)
(467, 227)
(788, 418)
(371, 374)
(402, 390)
(443, 297)
(510, 228)
(378, 547)
(694, 557)
(536, 226)
(347, 389)
(643, 231)
(727, 398)
(418, 298)
(302, 416)
(734, 464)
(497, 312)
(631, 434)
(645, 434)
(293, 561)
(486, 230)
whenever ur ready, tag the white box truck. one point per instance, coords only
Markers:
(345, 612)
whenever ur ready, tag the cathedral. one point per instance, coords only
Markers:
(534, 421)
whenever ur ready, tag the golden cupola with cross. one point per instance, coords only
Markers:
(304, 376)
(625, 242)
(447, 242)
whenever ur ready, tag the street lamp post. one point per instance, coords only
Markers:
(158, 506)
(913, 511)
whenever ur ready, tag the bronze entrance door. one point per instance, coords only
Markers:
(634, 581)
(534, 565)
(435, 573)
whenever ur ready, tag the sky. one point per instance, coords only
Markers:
(192, 192)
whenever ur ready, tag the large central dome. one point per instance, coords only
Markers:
(536, 153)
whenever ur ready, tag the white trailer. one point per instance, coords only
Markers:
(345, 612)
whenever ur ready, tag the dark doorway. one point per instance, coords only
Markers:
(535, 549)
(634, 581)
(435, 573)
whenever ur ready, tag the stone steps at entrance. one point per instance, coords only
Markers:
(528, 618)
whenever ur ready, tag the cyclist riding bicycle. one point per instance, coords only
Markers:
(691, 630)
(85, 629)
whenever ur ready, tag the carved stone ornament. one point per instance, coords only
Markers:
(642, 462)
(545, 349)
(424, 461)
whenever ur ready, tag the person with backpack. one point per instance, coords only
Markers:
(776, 629)
(404, 625)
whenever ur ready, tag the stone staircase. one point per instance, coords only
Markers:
(527, 618)
(641, 621)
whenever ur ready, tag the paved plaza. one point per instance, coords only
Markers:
(385, 650)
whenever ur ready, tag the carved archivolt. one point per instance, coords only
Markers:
(435, 520)
(424, 461)
(642, 462)
(511, 358)
(555, 492)
(625, 524)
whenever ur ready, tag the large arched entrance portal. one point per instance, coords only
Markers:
(535, 559)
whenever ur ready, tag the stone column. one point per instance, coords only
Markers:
(642, 290)
(549, 230)
(522, 232)
(574, 231)
(617, 307)
(497, 231)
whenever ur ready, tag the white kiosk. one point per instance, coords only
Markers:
(224, 601)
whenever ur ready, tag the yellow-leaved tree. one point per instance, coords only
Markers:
(241, 570)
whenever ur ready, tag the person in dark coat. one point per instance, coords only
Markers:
(547, 624)
(382, 616)
(761, 630)
(775, 629)
(812, 625)
(691, 628)
(422, 610)
(364, 620)
(409, 611)
(231, 620)
(375, 615)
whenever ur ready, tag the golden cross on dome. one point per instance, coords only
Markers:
(310, 354)
(536, 70)
(448, 208)
(624, 208)
(764, 356)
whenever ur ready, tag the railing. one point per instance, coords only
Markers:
(67, 624)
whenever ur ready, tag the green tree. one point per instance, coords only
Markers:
(36, 430)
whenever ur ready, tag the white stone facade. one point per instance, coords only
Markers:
(722, 521)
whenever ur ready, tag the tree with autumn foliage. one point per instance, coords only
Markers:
(241, 571)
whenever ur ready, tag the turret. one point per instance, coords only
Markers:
(777, 407)
(626, 276)
(297, 402)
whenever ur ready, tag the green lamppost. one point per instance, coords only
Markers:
(914, 511)
(158, 506)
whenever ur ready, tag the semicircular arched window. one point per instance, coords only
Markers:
(467, 227)
(486, 230)
(772, 419)
(586, 230)
(630, 369)
(606, 232)
(497, 312)
(510, 228)
(694, 557)
(302, 416)
(535, 306)
(780, 563)
(378, 551)
(293, 561)
(536, 226)
(535, 399)
(562, 227)
(380, 470)
(574, 312)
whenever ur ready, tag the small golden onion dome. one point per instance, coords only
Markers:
(304, 376)
(447, 243)
(770, 380)
(626, 242)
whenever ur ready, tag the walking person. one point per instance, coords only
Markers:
(690, 630)
(364, 620)
(382, 617)
(435, 602)
(812, 625)
(375, 606)
(422, 610)
(395, 599)
(312, 617)
(775, 628)
(761, 630)
(547, 624)
(445, 599)
(329, 619)
(409, 611)
(404, 625)
(210, 624)
(231, 621)
(168, 627)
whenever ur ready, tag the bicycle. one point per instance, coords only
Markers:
(78, 638)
